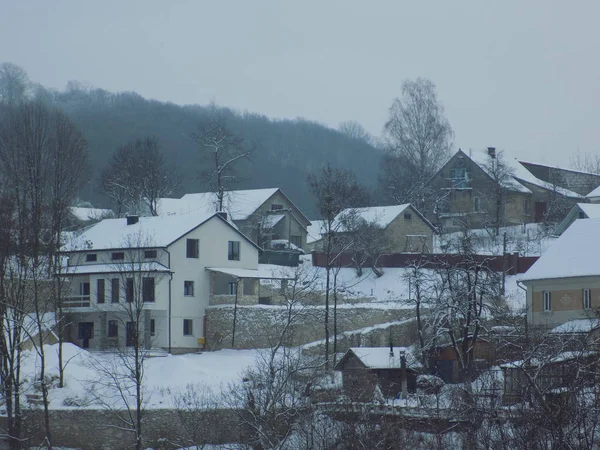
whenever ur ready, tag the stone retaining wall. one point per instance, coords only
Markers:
(261, 326)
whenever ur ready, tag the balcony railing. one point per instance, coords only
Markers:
(78, 301)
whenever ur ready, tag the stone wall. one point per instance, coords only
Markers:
(261, 326)
(162, 429)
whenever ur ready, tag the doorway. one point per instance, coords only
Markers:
(85, 333)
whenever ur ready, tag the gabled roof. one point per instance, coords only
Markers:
(595, 193)
(379, 358)
(382, 216)
(577, 326)
(573, 254)
(590, 210)
(521, 177)
(159, 231)
(315, 231)
(238, 204)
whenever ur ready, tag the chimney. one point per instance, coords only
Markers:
(492, 152)
(222, 214)
(132, 220)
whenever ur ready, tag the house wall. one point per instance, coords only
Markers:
(291, 225)
(401, 227)
(456, 206)
(213, 239)
(566, 299)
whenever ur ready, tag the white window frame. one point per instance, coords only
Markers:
(547, 298)
(587, 299)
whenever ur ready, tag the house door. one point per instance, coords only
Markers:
(540, 211)
(85, 333)
(129, 334)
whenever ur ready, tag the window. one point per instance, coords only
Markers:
(118, 256)
(148, 289)
(476, 204)
(188, 328)
(547, 301)
(233, 253)
(129, 290)
(114, 290)
(85, 330)
(91, 257)
(100, 290)
(84, 289)
(192, 248)
(188, 288)
(276, 207)
(459, 177)
(407, 216)
(526, 206)
(150, 254)
(152, 327)
(587, 299)
(113, 329)
(233, 288)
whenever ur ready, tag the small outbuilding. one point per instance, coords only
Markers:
(393, 369)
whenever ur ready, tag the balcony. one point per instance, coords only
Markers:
(78, 301)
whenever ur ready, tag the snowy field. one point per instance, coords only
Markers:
(213, 371)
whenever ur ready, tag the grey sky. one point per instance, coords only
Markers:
(523, 76)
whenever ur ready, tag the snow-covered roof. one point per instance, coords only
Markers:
(380, 215)
(573, 254)
(558, 358)
(272, 220)
(158, 231)
(520, 175)
(245, 273)
(85, 214)
(239, 204)
(379, 357)
(590, 210)
(315, 231)
(577, 326)
(594, 193)
(115, 268)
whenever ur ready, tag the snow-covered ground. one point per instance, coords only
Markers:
(163, 375)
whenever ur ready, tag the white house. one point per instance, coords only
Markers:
(173, 264)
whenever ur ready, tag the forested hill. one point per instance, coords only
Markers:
(287, 150)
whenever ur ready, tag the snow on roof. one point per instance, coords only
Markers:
(382, 216)
(577, 326)
(239, 204)
(271, 220)
(315, 231)
(245, 273)
(379, 357)
(520, 174)
(594, 193)
(591, 210)
(147, 232)
(539, 362)
(585, 172)
(86, 214)
(115, 268)
(573, 254)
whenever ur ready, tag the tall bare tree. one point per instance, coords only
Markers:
(355, 130)
(418, 138)
(222, 150)
(334, 190)
(137, 176)
(41, 160)
(14, 84)
(585, 162)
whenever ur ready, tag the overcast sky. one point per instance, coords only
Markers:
(521, 76)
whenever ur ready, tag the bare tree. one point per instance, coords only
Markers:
(585, 162)
(497, 192)
(137, 176)
(334, 191)
(42, 156)
(418, 139)
(356, 131)
(222, 150)
(14, 84)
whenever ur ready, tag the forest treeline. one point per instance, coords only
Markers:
(286, 151)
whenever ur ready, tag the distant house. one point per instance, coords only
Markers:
(444, 361)
(579, 211)
(577, 181)
(594, 196)
(407, 230)
(261, 214)
(84, 216)
(177, 265)
(564, 283)
(314, 237)
(364, 368)
(467, 190)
